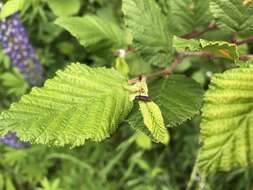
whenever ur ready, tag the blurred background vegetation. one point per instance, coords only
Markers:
(128, 160)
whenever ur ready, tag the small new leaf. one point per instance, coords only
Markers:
(153, 120)
(150, 120)
(220, 49)
(216, 48)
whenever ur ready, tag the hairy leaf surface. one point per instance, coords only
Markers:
(226, 131)
(79, 104)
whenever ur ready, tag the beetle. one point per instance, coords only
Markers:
(143, 98)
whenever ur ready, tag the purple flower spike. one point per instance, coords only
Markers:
(16, 45)
(15, 42)
(12, 140)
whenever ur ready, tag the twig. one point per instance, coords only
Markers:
(182, 55)
(196, 54)
(246, 57)
(193, 176)
(165, 72)
(244, 41)
(195, 34)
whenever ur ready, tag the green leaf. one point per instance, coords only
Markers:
(135, 120)
(216, 48)
(153, 120)
(186, 16)
(226, 125)
(147, 117)
(11, 7)
(149, 29)
(178, 97)
(48, 185)
(233, 16)
(14, 82)
(220, 49)
(63, 7)
(182, 44)
(79, 104)
(93, 32)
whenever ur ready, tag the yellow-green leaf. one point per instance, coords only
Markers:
(226, 127)
(154, 121)
(220, 49)
(11, 7)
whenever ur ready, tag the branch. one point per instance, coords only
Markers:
(182, 55)
(196, 54)
(244, 41)
(246, 57)
(165, 72)
(195, 34)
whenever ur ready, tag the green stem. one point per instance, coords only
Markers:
(193, 176)
(248, 178)
(123, 147)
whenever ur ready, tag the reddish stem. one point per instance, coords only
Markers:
(169, 70)
(244, 41)
(195, 34)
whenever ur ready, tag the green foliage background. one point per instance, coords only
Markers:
(129, 159)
